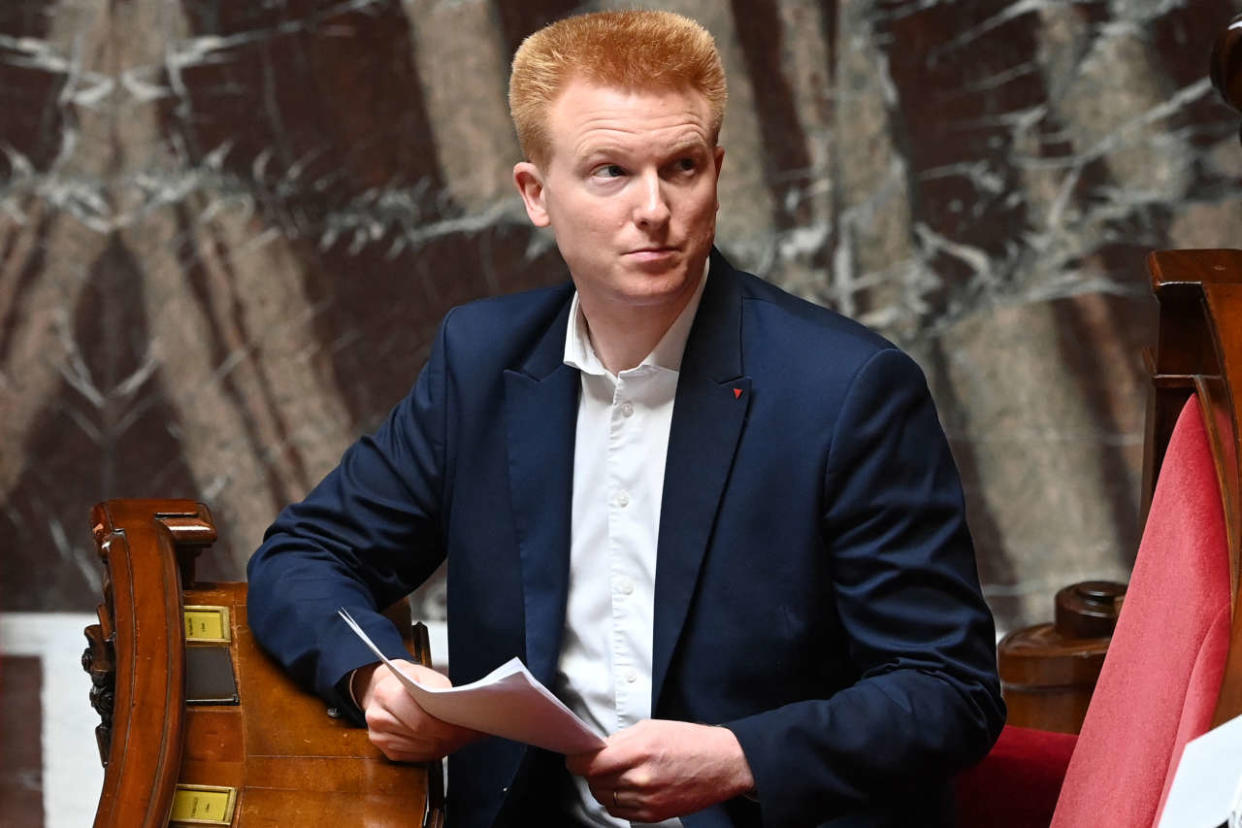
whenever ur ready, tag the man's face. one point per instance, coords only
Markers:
(629, 190)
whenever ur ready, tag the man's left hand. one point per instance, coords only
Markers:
(659, 769)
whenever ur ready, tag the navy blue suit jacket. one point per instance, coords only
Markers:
(816, 589)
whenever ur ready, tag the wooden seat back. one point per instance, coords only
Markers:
(1200, 350)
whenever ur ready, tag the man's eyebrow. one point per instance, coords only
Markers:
(690, 144)
(592, 151)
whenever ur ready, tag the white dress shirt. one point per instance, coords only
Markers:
(620, 448)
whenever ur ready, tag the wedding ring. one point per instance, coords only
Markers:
(615, 803)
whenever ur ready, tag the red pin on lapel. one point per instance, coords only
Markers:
(737, 392)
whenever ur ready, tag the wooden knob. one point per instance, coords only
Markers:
(1088, 609)
(1227, 64)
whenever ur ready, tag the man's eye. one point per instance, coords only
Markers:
(687, 164)
(609, 171)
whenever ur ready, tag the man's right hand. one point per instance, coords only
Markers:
(402, 730)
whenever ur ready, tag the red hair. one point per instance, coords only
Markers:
(631, 50)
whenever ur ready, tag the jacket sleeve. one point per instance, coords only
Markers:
(365, 536)
(927, 701)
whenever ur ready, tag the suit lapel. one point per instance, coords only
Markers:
(713, 397)
(541, 410)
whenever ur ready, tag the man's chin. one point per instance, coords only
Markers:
(654, 287)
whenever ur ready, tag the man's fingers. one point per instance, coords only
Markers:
(404, 755)
(407, 714)
(620, 787)
(608, 779)
(610, 798)
(381, 720)
(433, 740)
(657, 769)
(395, 747)
(608, 762)
(402, 730)
(389, 698)
(384, 716)
(582, 764)
(624, 804)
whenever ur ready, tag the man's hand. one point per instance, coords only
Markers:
(659, 769)
(402, 730)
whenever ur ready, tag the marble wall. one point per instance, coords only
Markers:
(228, 230)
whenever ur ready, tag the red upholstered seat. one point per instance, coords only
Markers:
(1160, 681)
(1016, 786)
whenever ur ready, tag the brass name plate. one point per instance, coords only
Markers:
(206, 625)
(203, 805)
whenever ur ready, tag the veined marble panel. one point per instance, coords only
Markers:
(229, 230)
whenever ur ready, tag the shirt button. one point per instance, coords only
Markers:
(631, 676)
(623, 498)
(627, 408)
(627, 586)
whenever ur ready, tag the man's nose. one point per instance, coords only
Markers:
(652, 208)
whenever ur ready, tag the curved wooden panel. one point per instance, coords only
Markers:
(1200, 350)
(143, 610)
(1227, 64)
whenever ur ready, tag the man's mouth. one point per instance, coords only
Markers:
(652, 252)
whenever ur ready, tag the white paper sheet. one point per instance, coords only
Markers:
(1206, 783)
(508, 702)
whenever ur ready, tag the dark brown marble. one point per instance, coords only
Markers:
(228, 232)
(21, 743)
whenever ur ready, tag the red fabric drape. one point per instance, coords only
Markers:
(1164, 666)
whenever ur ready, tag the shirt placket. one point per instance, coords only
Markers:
(626, 534)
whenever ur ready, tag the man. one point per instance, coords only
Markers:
(721, 523)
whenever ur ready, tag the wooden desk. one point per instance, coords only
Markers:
(274, 749)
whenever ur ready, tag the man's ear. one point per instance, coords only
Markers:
(718, 157)
(529, 181)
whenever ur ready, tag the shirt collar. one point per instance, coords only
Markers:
(667, 354)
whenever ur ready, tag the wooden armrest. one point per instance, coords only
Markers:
(140, 633)
(189, 705)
